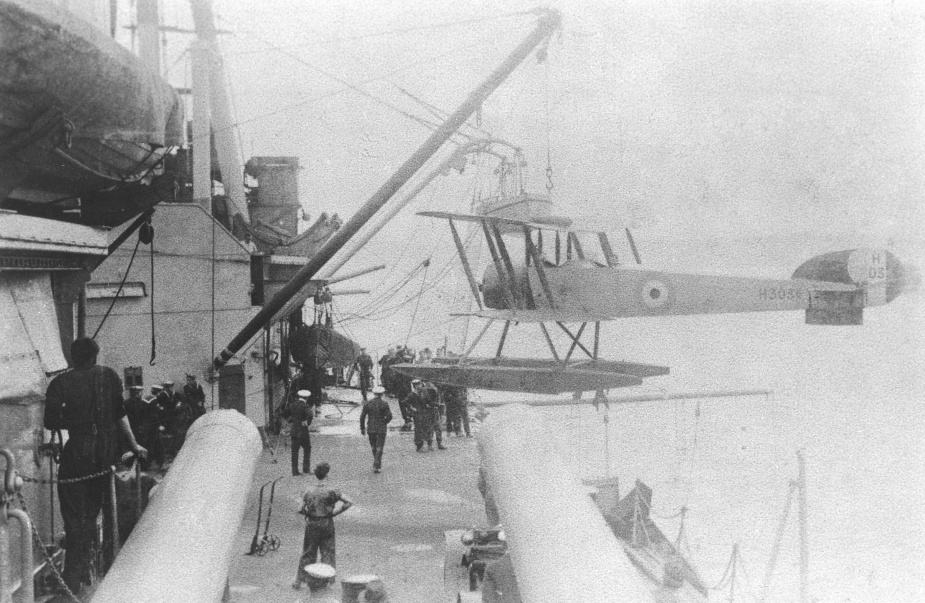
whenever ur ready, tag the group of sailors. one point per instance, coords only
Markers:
(423, 405)
(161, 418)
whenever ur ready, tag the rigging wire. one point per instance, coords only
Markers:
(436, 326)
(403, 30)
(451, 52)
(408, 243)
(366, 310)
(391, 311)
(176, 62)
(437, 112)
(119, 290)
(419, 296)
(429, 125)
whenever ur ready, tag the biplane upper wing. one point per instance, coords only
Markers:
(551, 225)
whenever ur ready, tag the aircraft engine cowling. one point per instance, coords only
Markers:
(493, 289)
(879, 276)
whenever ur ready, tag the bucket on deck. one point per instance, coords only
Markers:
(353, 586)
(319, 575)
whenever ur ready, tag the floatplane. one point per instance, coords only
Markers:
(545, 271)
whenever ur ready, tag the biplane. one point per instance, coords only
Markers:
(544, 271)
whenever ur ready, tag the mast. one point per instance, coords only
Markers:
(549, 22)
(218, 103)
(804, 542)
(149, 42)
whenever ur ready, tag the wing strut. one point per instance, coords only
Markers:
(507, 325)
(609, 255)
(575, 342)
(629, 237)
(465, 264)
(552, 348)
(578, 250)
(597, 337)
(574, 338)
(476, 341)
(508, 265)
(540, 270)
(506, 289)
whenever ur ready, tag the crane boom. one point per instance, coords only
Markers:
(548, 23)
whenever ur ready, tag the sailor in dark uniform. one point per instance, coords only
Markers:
(87, 402)
(434, 409)
(301, 415)
(194, 397)
(374, 420)
(143, 416)
(364, 365)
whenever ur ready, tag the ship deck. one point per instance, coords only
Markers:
(395, 529)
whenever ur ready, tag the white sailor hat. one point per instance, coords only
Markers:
(303, 393)
(167, 383)
(413, 381)
(378, 390)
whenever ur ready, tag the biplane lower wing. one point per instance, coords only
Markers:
(535, 376)
(534, 316)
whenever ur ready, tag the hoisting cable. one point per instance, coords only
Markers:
(119, 290)
(148, 232)
(728, 572)
(212, 380)
(541, 55)
(418, 304)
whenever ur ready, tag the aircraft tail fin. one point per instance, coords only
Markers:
(877, 274)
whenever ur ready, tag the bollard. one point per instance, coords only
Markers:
(353, 586)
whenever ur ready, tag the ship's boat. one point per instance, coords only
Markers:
(81, 115)
(320, 346)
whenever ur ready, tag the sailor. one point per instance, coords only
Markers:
(385, 370)
(414, 403)
(457, 409)
(155, 392)
(374, 420)
(424, 402)
(167, 401)
(319, 506)
(143, 417)
(435, 411)
(364, 365)
(195, 398)
(134, 406)
(301, 415)
(87, 402)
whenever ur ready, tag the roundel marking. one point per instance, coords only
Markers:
(655, 294)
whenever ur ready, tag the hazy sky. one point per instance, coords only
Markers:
(683, 119)
(762, 117)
